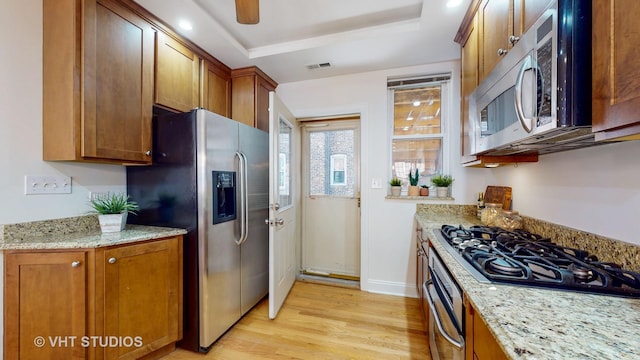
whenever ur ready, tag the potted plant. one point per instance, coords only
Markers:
(424, 190)
(414, 190)
(112, 209)
(442, 183)
(396, 186)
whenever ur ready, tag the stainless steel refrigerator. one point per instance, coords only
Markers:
(210, 175)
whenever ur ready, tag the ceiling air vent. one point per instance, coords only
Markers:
(323, 65)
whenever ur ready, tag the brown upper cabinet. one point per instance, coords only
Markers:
(98, 59)
(469, 81)
(250, 89)
(501, 22)
(177, 74)
(616, 70)
(105, 64)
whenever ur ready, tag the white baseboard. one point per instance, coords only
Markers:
(392, 288)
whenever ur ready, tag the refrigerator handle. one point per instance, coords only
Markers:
(242, 170)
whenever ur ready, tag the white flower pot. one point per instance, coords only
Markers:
(442, 191)
(112, 222)
(395, 190)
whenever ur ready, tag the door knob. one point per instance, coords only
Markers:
(75, 264)
(502, 52)
(112, 260)
(279, 221)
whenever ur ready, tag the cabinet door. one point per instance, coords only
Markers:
(616, 70)
(496, 23)
(142, 295)
(263, 88)
(526, 12)
(243, 100)
(177, 75)
(118, 83)
(45, 305)
(216, 89)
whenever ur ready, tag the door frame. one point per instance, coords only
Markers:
(307, 126)
(365, 192)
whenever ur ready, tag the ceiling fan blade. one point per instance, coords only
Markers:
(247, 11)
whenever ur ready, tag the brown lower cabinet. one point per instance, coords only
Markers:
(119, 302)
(480, 343)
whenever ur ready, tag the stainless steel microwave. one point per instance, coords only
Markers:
(538, 97)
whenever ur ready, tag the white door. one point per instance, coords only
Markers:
(282, 204)
(331, 198)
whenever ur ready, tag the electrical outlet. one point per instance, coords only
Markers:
(39, 185)
(93, 195)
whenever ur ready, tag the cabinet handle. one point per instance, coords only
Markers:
(513, 39)
(502, 52)
(75, 264)
(148, 153)
(112, 260)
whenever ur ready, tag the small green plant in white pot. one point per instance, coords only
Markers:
(112, 209)
(396, 186)
(442, 183)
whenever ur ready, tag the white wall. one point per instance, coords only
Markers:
(388, 251)
(595, 189)
(21, 127)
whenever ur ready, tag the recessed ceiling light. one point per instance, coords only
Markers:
(491, 165)
(185, 25)
(453, 3)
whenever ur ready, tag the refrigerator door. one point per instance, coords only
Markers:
(254, 144)
(219, 258)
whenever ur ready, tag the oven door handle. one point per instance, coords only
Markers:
(454, 342)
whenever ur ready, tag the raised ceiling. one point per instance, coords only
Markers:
(293, 35)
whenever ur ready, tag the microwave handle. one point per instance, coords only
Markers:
(527, 123)
(436, 317)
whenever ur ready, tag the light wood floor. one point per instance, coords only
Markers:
(325, 322)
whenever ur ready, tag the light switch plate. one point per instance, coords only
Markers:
(39, 185)
(376, 183)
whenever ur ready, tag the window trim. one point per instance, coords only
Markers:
(445, 114)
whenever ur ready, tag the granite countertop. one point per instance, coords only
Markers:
(75, 233)
(536, 323)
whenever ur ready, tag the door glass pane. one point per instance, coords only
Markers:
(416, 111)
(285, 197)
(331, 163)
(424, 155)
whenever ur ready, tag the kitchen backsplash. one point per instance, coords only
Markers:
(606, 249)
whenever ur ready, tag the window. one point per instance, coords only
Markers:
(338, 169)
(419, 126)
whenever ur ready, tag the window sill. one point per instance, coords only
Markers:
(424, 198)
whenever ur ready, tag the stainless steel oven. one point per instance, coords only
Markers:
(446, 311)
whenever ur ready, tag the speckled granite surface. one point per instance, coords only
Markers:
(535, 323)
(75, 232)
(606, 249)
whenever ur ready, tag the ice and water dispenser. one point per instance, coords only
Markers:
(224, 196)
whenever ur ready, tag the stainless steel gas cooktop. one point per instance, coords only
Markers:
(519, 257)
